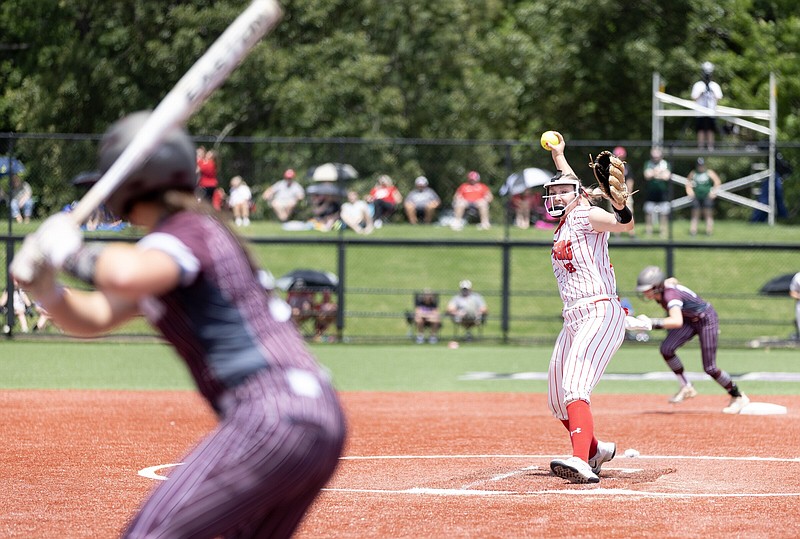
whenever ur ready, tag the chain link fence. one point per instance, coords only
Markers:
(378, 280)
(379, 276)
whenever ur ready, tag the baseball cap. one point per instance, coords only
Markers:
(289, 174)
(473, 175)
(701, 162)
(466, 283)
(421, 180)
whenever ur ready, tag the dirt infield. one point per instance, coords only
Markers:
(424, 465)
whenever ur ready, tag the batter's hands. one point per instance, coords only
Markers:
(58, 238)
(44, 286)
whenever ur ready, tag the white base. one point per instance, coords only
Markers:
(763, 408)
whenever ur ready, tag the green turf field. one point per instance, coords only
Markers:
(98, 365)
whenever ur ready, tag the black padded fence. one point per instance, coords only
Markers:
(378, 280)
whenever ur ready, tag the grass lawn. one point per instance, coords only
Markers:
(135, 366)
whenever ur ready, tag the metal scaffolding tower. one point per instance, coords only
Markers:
(665, 105)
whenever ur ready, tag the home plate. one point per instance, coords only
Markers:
(763, 408)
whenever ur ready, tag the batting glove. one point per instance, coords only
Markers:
(58, 238)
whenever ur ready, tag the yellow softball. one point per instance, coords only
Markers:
(548, 137)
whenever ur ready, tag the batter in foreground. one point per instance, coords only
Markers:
(281, 428)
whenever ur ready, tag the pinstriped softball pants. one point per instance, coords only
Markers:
(707, 331)
(592, 333)
(259, 471)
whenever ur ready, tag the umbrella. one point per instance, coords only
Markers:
(86, 179)
(326, 188)
(525, 179)
(778, 286)
(332, 172)
(10, 165)
(310, 278)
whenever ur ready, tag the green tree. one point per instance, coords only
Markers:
(368, 70)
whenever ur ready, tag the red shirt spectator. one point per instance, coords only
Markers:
(207, 172)
(384, 197)
(472, 194)
(385, 191)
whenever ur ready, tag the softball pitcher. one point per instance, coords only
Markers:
(281, 428)
(594, 320)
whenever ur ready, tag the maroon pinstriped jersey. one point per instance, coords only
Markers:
(580, 258)
(220, 319)
(691, 304)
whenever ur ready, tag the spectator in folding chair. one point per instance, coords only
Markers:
(307, 306)
(385, 198)
(426, 316)
(22, 199)
(355, 213)
(284, 196)
(421, 202)
(472, 194)
(239, 200)
(467, 308)
(21, 304)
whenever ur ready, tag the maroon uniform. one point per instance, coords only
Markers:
(699, 318)
(281, 427)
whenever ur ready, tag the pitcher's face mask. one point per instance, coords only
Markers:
(560, 194)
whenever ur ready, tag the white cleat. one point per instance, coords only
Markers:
(736, 405)
(605, 452)
(574, 469)
(686, 392)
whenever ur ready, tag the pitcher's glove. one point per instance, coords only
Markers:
(609, 171)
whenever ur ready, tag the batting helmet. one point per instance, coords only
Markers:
(172, 165)
(649, 278)
(707, 67)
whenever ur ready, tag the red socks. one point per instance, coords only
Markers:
(581, 429)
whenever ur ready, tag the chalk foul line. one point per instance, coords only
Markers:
(152, 472)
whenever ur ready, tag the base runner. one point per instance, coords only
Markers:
(594, 320)
(687, 315)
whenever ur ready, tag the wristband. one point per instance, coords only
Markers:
(658, 323)
(83, 264)
(624, 215)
